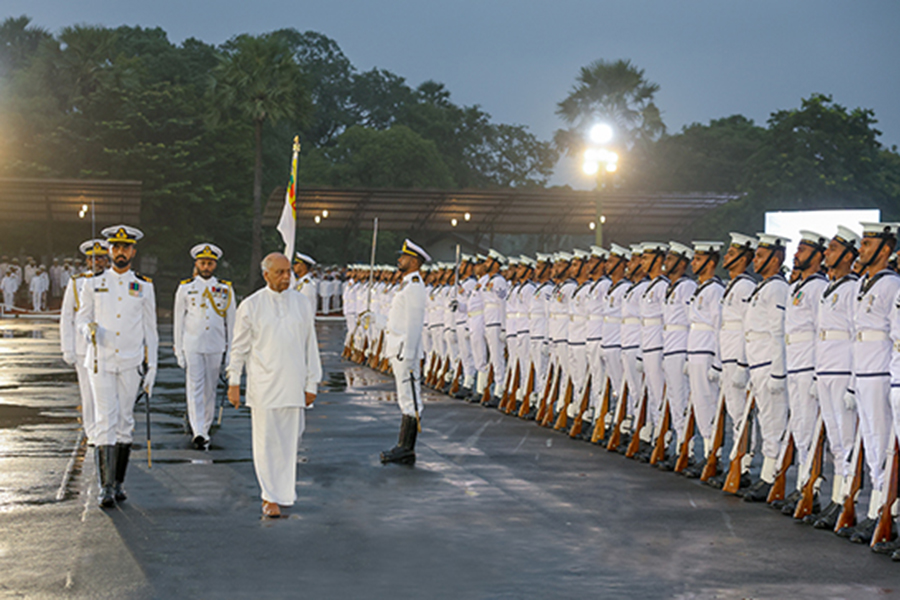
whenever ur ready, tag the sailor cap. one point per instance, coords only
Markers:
(580, 254)
(811, 238)
(599, 252)
(681, 250)
(206, 251)
(705, 247)
(413, 249)
(770, 240)
(480, 257)
(636, 249)
(656, 247)
(847, 237)
(880, 230)
(306, 258)
(543, 258)
(493, 254)
(562, 257)
(466, 257)
(743, 241)
(122, 234)
(92, 247)
(513, 260)
(527, 261)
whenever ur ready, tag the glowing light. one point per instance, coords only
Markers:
(84, 208)
(592, 226)
(454, 222)
(590, 168)
(612, 157)
(324, 214)
(602, 218)
(601, 133)
(317, 219)
(611, 167)
(467, 216)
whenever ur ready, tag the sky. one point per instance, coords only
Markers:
(518, 59)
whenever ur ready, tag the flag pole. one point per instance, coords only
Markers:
(372, 264)
(287, 224)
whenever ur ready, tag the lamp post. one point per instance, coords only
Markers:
(600, 162)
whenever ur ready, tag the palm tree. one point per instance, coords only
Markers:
(258, 79)
(613, 92)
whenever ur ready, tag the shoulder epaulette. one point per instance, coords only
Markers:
(228, 283)
(415, 279)
(186, 281)
(85, 274)
(143, 278)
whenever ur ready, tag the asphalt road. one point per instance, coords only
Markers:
(494, 508)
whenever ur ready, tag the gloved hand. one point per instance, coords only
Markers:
(149, 380)
(814, 391)
(850, 398)
(181, 360)
(639, 365)
(740, 378)
(776, 384)
(454, 305)
(69, 358)
(713, 374)
(545, 350)
(685, 368)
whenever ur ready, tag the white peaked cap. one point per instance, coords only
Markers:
(636, 248)
(513, 260)
(466, 257)
(95, 246)
(707, 247)
(563, 256)
(848, 237)
(413, 249)
(496, 255)
(206, 250)
(305, 258)
(655, 247)
(741, 240)
(879, 229)
(770, 240)
(122, 234)
(617, 250)
(480, 257)
(541, 257)
(580, 254)
(527, 261)
(599, 252)
(681, 250)
(811, 237)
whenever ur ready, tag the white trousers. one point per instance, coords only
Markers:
(735, 401)
(804, 411)
(465, 352)
(36, 300)
(403, 370)
(88, 420)
(479, 347)
(633, 380)
(540, 358)
(201, 379)
(772, 412)
(276, 438)
(655, 380)
(597, 369)
(498, 361)
(840, 423)
(114, 396)
(9, 300)
(704, 394)
(873, 405)
(612, 361)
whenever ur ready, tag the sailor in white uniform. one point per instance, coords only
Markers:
(304, 281)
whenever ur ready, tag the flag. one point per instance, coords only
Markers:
(287, 225)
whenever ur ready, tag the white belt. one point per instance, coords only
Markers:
(494, 304)
(652, 321)
(595, 317)
(871, 335)
(732, 325)
(752, 336)
(631, 321)
(796, 338)
(475, 313)
(703, 327)
(558, 316)
(514, 315)
(612, 320)
(675, 328)
(578, 318)
(827, 335)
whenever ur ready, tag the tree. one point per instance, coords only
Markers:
(613, 92)
(19, 42)
(258, 78)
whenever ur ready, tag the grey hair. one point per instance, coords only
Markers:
(266, 263)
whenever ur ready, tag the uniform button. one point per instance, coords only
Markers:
(117, 333)
(120, 298)
(118, 316)
(117, 351)
(207, 328)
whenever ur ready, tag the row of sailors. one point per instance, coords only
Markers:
(37, 287)
(57, 274)
(568, 339)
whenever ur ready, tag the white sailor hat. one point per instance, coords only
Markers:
(636, 249)
(93, 247)
(657, 247)
(599, 252)
(580, 254)
(811, 238)
(413, 249)
(880, 230)
(513, 260)
(543, 258)
(847, 237)
(480, 257)
(466, 257)
(206, 251)
(122, 234)
(705, 247)
(309, 260)
(494, 255)
(681, 250)
(562, 257)
(743, 241)
(617, 250)
(772, 241)
(527, 261)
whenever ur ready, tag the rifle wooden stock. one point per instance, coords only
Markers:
(430, 370)
(578, 423)
(514, 392)
(600, 420)
(847, 518)
(551, 399)
(529, 389)
(486, 395)
(684, 451)
(615, 436)
(376, 356)
(454, 387)
(805, 504)
(635, 442)
(885, 528)
(443, 376)
(712, 461)
(548, 387)
(777, 491)
(507, 384)
(562, 419)
(733, 479)
(659, 448)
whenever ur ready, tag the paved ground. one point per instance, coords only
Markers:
(495, 508)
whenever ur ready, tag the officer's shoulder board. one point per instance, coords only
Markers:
(143, 278)
(186, 281)
(415, 279)
(224, 282)
(85, 274)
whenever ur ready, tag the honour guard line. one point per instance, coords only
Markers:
(648, 353)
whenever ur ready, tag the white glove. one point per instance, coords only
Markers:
(776, 385)
(545, 350)
(713, 374)
(181, 360)
(639, 366)
(814, 391)
(685, 368)
(149, 380)
(850, 398)
(741, 378)
(69, 358)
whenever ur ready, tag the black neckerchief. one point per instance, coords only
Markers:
(712, 280)
(734, 281)
(612, 288)
(541, 286)
(764, 283)
(636, 283)
(653, 283)
(604, 278)
(834, 285)
(674, 285)
(801, 284)
(580, 287)
(871, 282)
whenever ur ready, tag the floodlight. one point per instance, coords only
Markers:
(601, 133)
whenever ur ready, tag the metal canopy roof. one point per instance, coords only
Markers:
(629, 217)
(60, 200)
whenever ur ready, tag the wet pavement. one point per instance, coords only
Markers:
(494, 508)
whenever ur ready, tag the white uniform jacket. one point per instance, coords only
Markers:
(203, 316)
(405, 319)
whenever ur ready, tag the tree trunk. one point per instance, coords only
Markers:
(256, 249)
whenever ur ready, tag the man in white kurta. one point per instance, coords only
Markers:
(203, 325)
(275, 337)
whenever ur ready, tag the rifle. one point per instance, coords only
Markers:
(885, 528)
(486, 395)
(712, 461)
(578, 423)
(621, 410)
(635, 442)
(733, 479)
(504, 397)
(511, 402)
(684, 452)
(562, 419)
(777, 491)
(659, 448)
(600, 419)
(847, 518)
(548, 388)
(814, 471)
(553, 399)
(454, 387)
(529, 388)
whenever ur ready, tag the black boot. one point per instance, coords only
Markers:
(826, 519)
(462, 393)
(123, 452)
(106, 467)
(694, 470)
(645, 450)
(789, 502)
(758, 492)
(404, 452)
(887, 547)
(862, 533)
